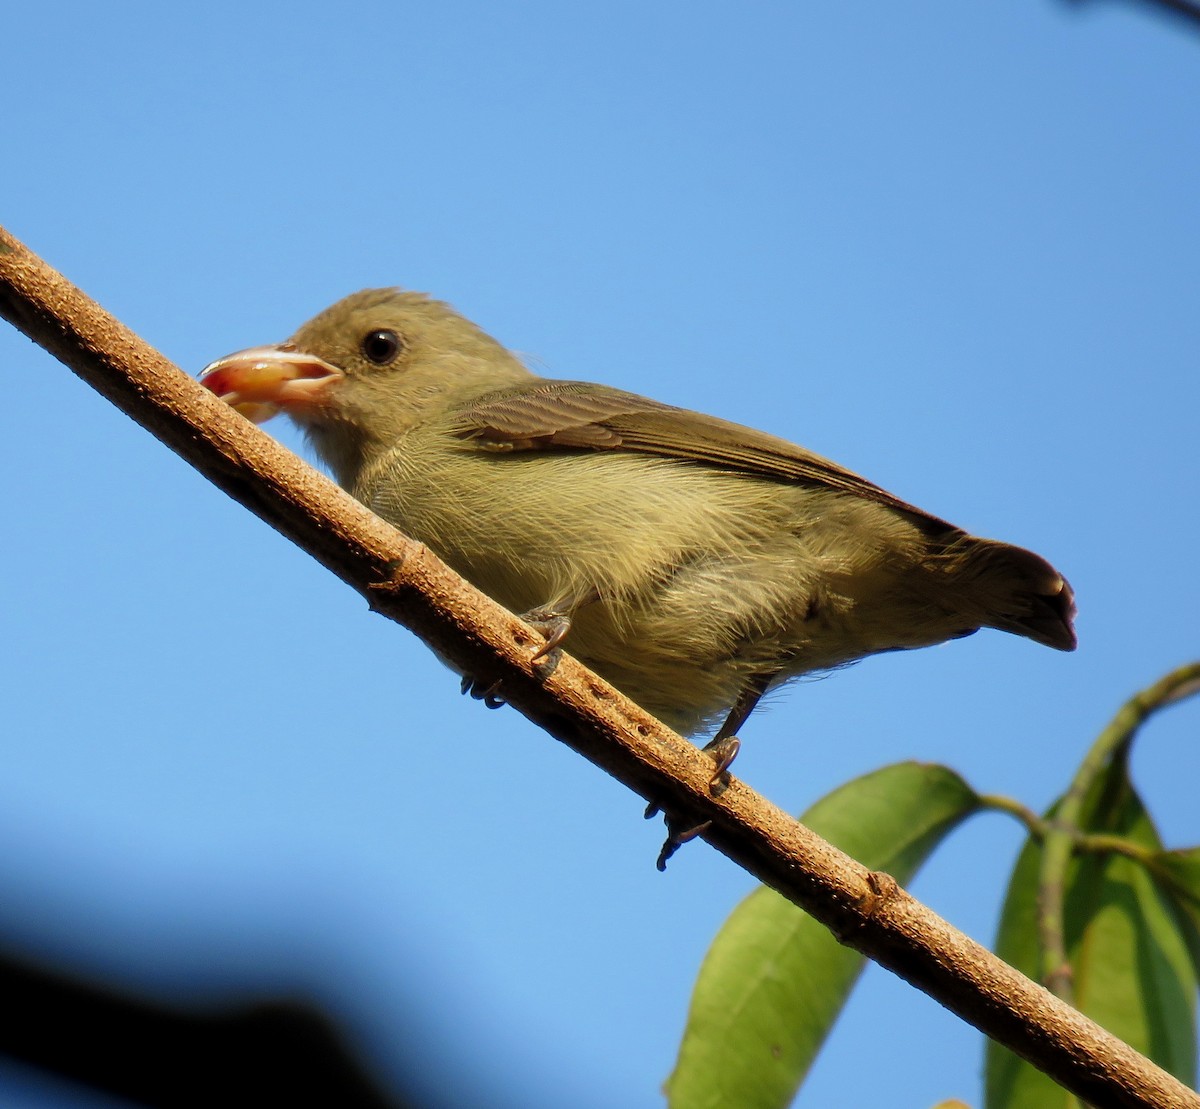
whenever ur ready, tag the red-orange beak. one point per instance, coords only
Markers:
(261, 381)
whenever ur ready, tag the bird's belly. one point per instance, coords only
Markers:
(683, 583)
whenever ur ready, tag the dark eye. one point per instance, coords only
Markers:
(381, 346)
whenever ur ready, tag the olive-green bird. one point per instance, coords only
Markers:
(697, 563)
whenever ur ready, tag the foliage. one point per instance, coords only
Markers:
(1096, 907)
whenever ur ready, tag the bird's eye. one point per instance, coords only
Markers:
(381, 346)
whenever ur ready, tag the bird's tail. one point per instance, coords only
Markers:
(1016, 591)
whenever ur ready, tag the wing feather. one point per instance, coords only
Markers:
(564, 415)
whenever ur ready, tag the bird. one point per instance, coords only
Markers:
(694, 563)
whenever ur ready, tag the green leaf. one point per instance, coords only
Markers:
(774, 980)
(1178, 874)
(1180, 870)
(1133, 972)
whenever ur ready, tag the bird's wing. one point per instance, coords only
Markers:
(574, 415)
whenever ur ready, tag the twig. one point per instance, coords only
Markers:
(408, 583)
(1034, 824)
(1094, 843)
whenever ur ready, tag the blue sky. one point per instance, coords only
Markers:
(953, 246)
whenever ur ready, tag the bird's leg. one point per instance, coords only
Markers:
(723, 749)
(724, 746)
(554, 622)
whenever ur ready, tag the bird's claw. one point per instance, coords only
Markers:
(678, 833)
(722, 750)
(488, 694)
(554, 626)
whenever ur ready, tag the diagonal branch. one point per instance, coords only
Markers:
(409, 584)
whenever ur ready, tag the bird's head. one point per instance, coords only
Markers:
(364, 371)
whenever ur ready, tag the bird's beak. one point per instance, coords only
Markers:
(261, 381)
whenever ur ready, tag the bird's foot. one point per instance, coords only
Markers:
(680, 829)
(488, 694)
(554, 625)
(679, 832)
(722, 750)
